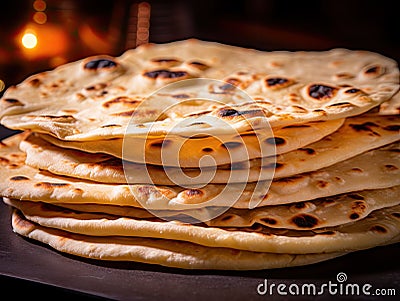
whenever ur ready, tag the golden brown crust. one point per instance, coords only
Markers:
(288, 87)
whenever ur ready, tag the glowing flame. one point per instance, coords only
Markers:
(29, 40)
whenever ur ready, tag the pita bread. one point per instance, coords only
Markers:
(379, 227)
(369, 131)
(324, 212)
(97, 97)
(20, 181)
(176, 254)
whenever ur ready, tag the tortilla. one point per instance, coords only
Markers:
(168, 253)
(20, 181)
(222, 150)
(379, 227)
(97, 97)
(392, 106)
(324, 212)
(369, 131)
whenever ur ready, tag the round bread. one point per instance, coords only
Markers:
(60, 157)
(98, 97)
(17, 180)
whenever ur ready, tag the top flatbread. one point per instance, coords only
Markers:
(96, 97)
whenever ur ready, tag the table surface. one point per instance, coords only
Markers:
(35, 267)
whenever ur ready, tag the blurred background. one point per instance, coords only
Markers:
(38, 35)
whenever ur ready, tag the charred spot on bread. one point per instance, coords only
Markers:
(100, 64)
(321, 92)
(275, 141)
(305, 221)
(165, 74)
(19, 178)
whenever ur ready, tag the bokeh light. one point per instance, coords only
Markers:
(29, 40)
(43, 41)
(57, 61)
(143, 23)
(40, 17)
(39, 5)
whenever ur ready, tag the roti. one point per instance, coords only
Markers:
(98, 97)
(23, 182)
(176, 254)
(188, 152)
(369, 131)
(378, 228)
(314, 214)
(392, 106)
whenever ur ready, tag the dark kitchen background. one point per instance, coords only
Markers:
(38, 35)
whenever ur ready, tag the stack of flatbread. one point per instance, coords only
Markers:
(199, 155)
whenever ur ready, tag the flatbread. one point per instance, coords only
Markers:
(379, 227)
(391, 106)
(184, 152)
(223, 150)
(314, 214)
(97, 97)
(20, 181)
(369, 131)
(176, 254)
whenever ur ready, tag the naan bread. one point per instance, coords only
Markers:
(314, 214)
(369, 131)
(392, 106)
(176, 254)
(379, 227)
(222, 150)
(375, 169)
(95, 98)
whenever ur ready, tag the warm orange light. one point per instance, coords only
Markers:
(93, 39)
(39, 5)
(144, 9)
(29, 40)
(57, 61)
(40, 17)
(143, 17)
(43, 41)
